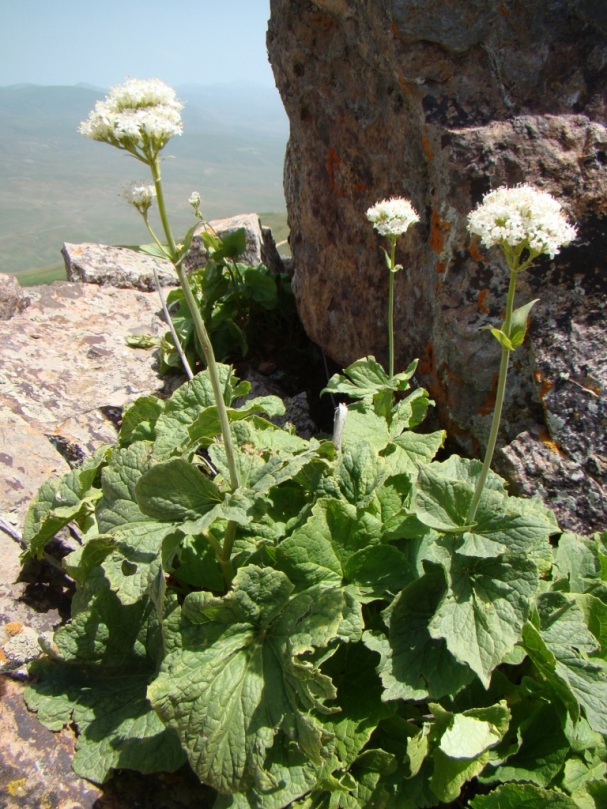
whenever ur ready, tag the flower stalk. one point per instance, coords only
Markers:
(140, 117)
(524, 223)
(392, 218)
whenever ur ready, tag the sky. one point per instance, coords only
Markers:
(104, 42)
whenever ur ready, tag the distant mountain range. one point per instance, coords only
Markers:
(57, 186)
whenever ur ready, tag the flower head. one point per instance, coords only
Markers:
(141, 116)
(140, 196)
(194, 200)
(522, 218)
(392, 217)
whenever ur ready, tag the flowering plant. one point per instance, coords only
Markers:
(139, 116)
(392, 218)
(521, 218)
(524, 223)
(322, 624)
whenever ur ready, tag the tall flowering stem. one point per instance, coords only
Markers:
(199, 326)
(524, 223)
(392, 218)
(140, 117)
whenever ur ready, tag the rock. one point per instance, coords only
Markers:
(116, 267)
(440, 102)
(65, 374)
(13, 298)
(66, 368)
(260, 248)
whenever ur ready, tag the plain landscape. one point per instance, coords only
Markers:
(57, 186)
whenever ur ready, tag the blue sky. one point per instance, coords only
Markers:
(103, 42)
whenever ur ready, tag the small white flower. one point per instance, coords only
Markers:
(392, 217)
(194, 199)
(522, 217)
(140, 196)
(142, 114)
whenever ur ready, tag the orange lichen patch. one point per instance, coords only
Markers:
(475, 253)
(359, 188)
(333, 161)
(544, 384)
(13, 628)
(480, 300)
(548, 442)
(441, 266)
(438, 228)
(404, 86)
(426, 147)
(505, 12)
(3, 657)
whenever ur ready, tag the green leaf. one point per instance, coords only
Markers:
(261, 286)
(139, 419)
(102, 662)
(231, 245)
(366, 377)
(565, 661)
(413, 664)
(482, 615)
(543, 747)
(359, 473)
(463, 749)
(321, 549)
(57, 503)
(420, 447)
(185, 405)
(237, 679)
(523, 796)
(117, 728)
(207, 425)
(156, 250)
(410, 411)
(468, 737)
(501, 337)
(365, 427)
(518, 323)
(441, 502)
(176, 491)
(577, 562)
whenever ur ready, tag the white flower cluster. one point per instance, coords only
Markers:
(140, 196)
(522, 217)
(141, 114)
(194, 200)
(392, 217)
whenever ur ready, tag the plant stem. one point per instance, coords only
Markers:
(200, 328)
(391, 307)
(167, 316)
(499, 396)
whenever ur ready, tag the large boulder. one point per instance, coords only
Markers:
(439, 102)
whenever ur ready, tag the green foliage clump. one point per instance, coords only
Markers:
(240, 305)
(334, 632)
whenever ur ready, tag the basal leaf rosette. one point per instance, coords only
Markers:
(243, 673)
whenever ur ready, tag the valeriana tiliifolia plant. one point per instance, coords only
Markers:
(392, 218)
(524, 223)
(140, 117)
